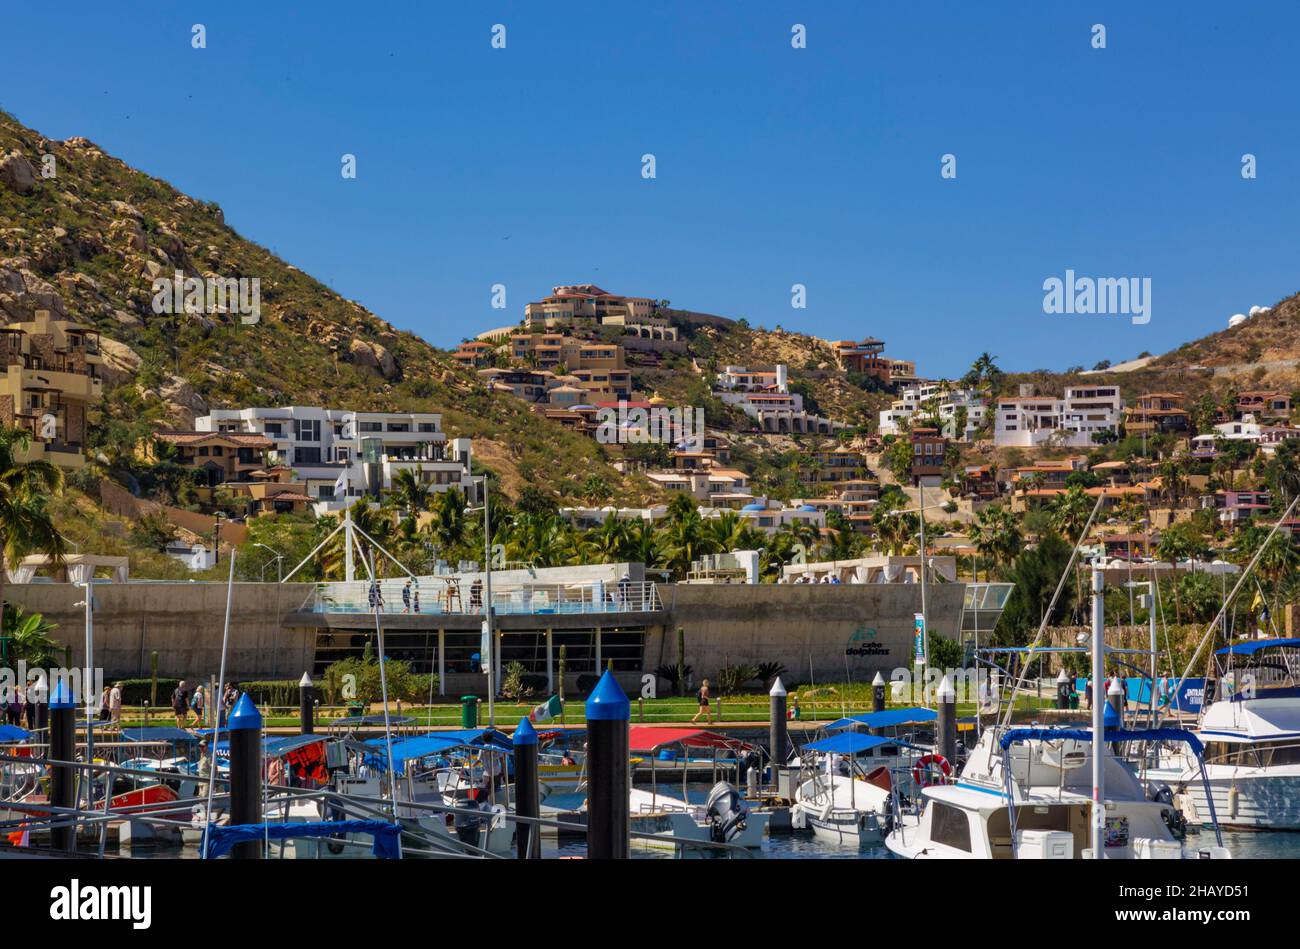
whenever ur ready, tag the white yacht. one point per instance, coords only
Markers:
(1027, 793)
(1252, 745)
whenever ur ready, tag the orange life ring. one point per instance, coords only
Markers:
(921, 770)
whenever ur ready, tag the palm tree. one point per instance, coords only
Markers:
(996, 534)
(448, 526)
(684, 541)
(607, 543)
(408, 495)
(27, 638)
(1070, 513)
(26, 526)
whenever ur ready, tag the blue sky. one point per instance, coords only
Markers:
(775, 166)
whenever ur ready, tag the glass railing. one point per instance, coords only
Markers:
(454, 596)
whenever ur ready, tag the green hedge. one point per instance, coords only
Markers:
(136, 691)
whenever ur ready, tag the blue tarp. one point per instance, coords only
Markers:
(221, 839)
(13, 733)
(480, 736)
(409, 749)
(1256, 645)
(157, 733)
(275, 746)
(890, 716)
(1110, 734)
(848, 743)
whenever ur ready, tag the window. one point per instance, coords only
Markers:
(372, 426)
(949, 826)
(274, 429)
(310, 456)
(307, 429)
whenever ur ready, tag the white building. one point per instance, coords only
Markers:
(1030, 421)
(938, 399)
(765, 396)
(341, 454)
(195, 556)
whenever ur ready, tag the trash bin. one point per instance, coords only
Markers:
(469, 711)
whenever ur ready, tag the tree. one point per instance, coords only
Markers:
(26, 526)
(27, 638)
(996, 534)
(1036, 573)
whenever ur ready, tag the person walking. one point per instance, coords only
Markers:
(406, 597)
(115, 705)
(103, 704)
(180, 703)
(704, 704)
(199, 704)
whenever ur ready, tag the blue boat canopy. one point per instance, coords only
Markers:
(1013, 735)
(1256, 645)
(411, 749)
(890, 716)
(13, 733)
(848, 743)
(157, 733)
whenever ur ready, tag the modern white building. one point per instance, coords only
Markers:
(342, 454)
(940, 400)
(765, 396)
(1031, 421)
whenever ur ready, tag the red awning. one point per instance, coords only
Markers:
(650, 738)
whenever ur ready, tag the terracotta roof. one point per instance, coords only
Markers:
(198, 438)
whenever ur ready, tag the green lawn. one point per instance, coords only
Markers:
(826, 703)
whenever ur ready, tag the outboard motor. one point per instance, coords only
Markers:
(727, 812)
(469, 826)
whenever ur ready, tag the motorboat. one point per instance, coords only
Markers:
(1026, 792)
(1252, 744)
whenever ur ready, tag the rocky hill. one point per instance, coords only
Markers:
(84, 235)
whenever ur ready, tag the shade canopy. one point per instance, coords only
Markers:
(889, 717)
(1013, 735)
(650, 738)
(1255, 646)
(848, 743)
(160, 733)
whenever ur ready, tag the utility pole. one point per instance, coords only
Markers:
(1098, 711)
(493, 672)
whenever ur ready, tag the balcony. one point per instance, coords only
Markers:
(530, 599)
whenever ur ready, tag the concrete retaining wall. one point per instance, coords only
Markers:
(820, 632)
(183, 622)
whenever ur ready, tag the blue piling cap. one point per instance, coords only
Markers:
(608, 702)
(1110, 718)
(244, 715)
(525, 734)
(61, 697)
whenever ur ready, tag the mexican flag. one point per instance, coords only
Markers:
(547, 710)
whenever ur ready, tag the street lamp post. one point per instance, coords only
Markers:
(279, 566)
(925, 569)
(487, 607)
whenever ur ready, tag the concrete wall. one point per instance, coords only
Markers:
(814, 630)
(183, 622)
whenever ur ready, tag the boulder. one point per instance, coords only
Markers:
(121, 362)
(373, 356)
(17, 172)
